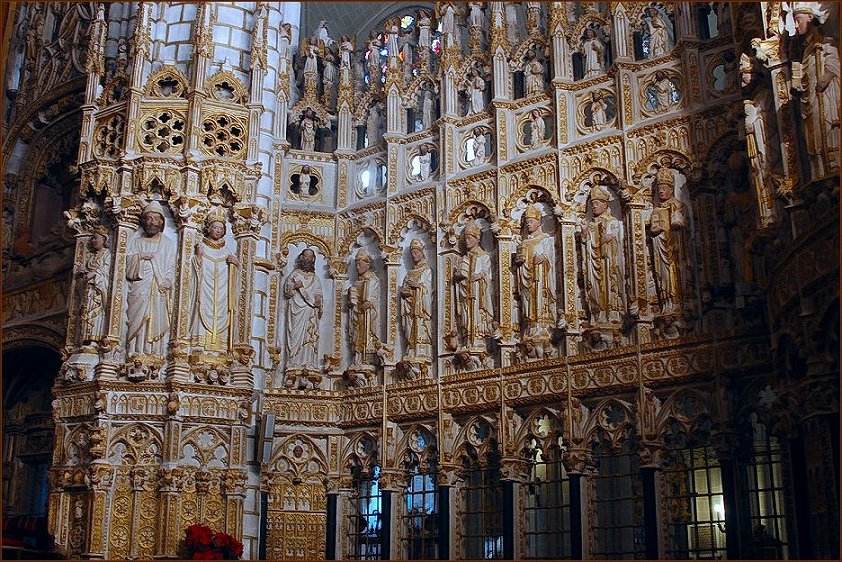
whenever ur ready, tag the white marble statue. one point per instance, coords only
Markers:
(475, 89)
(593, 52)
(346, 50)
(417, 304)
(479, 142)
(424, 24)
(425, 158)
(329, 73)
(475, 312)
(214, 287)
(95, 278)
(393, 37)
(308, 131)
(363, 310)
(150, 271)
(536, 278)
(373, 124)
(534, 74)
(598, 108)
(373, 60)
(537, 128)
(322, 34)
(303, 291)
(663, 89)
(428, 115)
(446, 13)
(658, 26)
(602, 244)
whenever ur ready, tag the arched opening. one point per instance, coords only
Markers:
(28, 439)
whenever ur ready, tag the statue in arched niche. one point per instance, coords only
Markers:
(474, 305)
(593, 53)
(602, 252)
(150, 271)
(302, 290)
(214, 288)
(535, 273)
(417, 304)
(308, 127)
(534, 72)
(660, 32)
(668, 226)
(95, 277)
(363, 310)
(816, 75)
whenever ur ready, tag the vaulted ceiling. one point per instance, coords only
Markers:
(352, 17)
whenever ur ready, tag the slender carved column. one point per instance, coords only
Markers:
(248, 222)
(514, 471)
(507, 247)
(638, 293)
(395, 163)
(76, 294)
(101, 476)
(567, 314)
(345, 498)
(203, 486)
(234, 488)
(169, 530)
(391, 265)
(140, 45)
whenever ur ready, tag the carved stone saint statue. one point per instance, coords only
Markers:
(602, 243)
(667, 229)
(95, 277)
(308, 131)
(150, 270)
(534, 72)
(303, 291)
(535, 275)
(214, 287)
(817, 76)
(475, 312)
(363, 305)
(417, 304)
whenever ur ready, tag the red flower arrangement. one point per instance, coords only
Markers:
(202, 543)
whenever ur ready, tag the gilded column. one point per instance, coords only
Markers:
(234, 488)
(101, 477)
(391, 265)
(507, 247)
(636, 272)
(567, 311)
(248, 222)
(169, 530)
